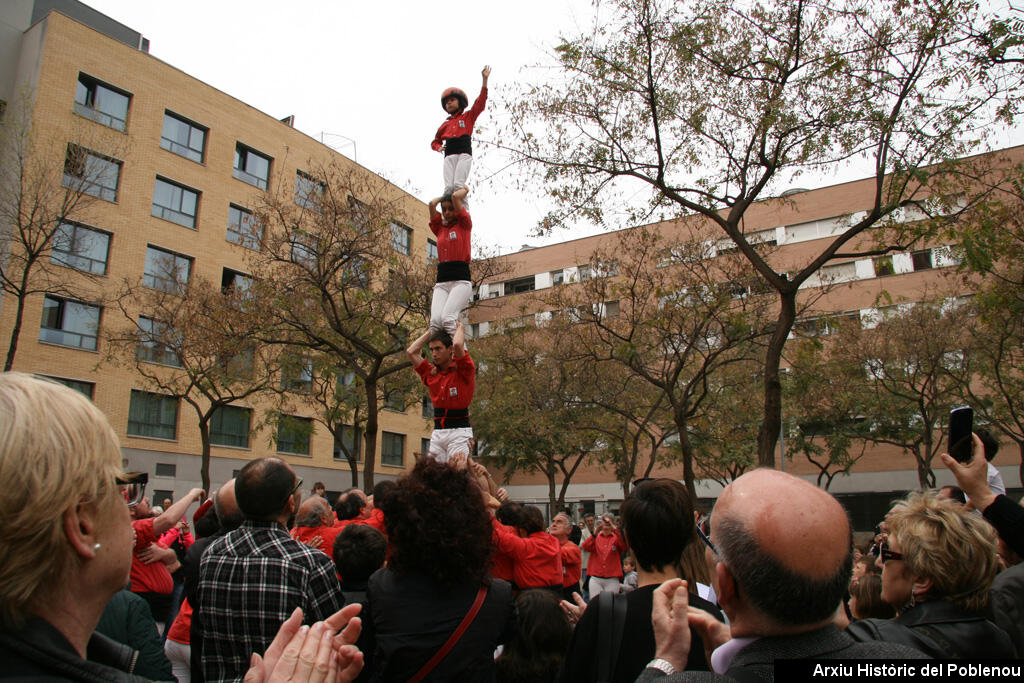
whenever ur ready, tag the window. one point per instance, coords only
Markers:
(229, 426)
(165, 270)
(251, 166)
(161, 494)
(152, 415)
(297, 375)
(611, 309)
(84, 388)
(92, 174)
(348, 440)
(426, 407)
(584, 273)
(81, 248)
(431, 250)
(241, 364)
(293, 434)
(523, 284)
(243, 229)
(401, 236)
(156, 342)
(233, 282)
(883, 265)
(175, 203)
(69, 323)
(557, 277)
(392, 449)
(101, 102)
(424, 447)
(183, 137)
(303, 251)
(394, 400)
(309, 191)
(922, 259)
(166, 469)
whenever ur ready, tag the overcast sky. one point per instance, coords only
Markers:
(368, 77)
(369, 72)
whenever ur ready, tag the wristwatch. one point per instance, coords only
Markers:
(662, 665)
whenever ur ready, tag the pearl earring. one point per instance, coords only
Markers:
(96, 546)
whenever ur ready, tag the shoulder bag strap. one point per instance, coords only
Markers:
(453, 638)
(611, 622)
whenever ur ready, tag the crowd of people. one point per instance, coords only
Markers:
(429, 579)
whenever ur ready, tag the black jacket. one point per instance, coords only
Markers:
(940, 629)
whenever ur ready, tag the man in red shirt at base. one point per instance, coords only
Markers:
(451, 380)
(572, 560)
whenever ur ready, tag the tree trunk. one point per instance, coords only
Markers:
(771, 426)
(552, 498)
(370, 434)
(15, 334)
(687, 451)
(204, 466)
(1020, 468)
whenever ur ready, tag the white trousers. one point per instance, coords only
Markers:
(444, 443)
(456, 172)
(448, 302)
(180, 657)
(599, 585)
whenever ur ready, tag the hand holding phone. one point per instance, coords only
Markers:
(961, 425)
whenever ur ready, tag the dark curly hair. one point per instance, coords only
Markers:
(437, 525)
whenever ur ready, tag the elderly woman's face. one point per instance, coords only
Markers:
(897, 584)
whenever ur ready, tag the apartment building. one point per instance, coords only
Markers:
(176, 168)
(794, 231)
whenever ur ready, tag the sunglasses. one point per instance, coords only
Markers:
(885, 554)
(133, 487)
(704, 531)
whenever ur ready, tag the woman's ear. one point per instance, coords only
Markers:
(80, 529)
(922, 586)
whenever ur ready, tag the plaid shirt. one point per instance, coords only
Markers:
(250, 581)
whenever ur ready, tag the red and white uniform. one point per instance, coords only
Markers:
(537, 559)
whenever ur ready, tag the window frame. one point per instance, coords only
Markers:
(89, 109)
(384, 456)
(357, 442)
(242, 153)
(62, 305)
(309, 191)
(176, 215)
(432, 254)
(151, 349)
(253, 239)
(66, 258)
(79, 178)
(299, 439)
(184, 150)
(217, 432)
(401, 237)
(160, 281)
(75, 384)
(159, 407)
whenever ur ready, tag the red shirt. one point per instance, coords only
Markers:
(502, 562)
(452, 240)
(452, 387)
(572, 564)
(537, 558)
(461, 124)
(605, 554)
(181, 628)
(148, 578)
(304, 534)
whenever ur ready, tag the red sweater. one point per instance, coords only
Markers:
(148, 578)
(605, 554)
(303, 534)
(452, 240)
(454, 386)
(457, 125)
(503, 562)
(572, 564)
(537, 558)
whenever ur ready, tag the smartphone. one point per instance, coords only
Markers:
(961, 424)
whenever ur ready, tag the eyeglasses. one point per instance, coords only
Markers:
(703, 530)
(297, 485)
(885, 554)
(133, 487)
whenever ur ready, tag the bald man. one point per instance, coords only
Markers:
(314, 525)
(783, 562)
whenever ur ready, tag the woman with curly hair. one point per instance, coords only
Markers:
(440, 534)
(938, 563)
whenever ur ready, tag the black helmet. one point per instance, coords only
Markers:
(456, 93)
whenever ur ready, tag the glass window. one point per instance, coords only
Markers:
(309, 191)
(229, 426)
(251, 166)
(424, 447)
(303, 251)
(156, 342)
(183, 137)
(348, 440)
(401, 236)
(243, 229)
(431, 250)
(90, 173)
(236, 283)
(392, 449)
(293, 434)
(175, 203)
(84, 388)
(165, 270)
(152, 415)
(297, 375)
(69, 323)
(922, 259)
(166, 469)
(883, 265)
(101, 102)
(81, 248)
(426, 407)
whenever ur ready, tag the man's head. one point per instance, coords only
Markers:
(657, 520)
(560, 527)
(990, 443)
(314, 512)
(267, 489)
(142, 510)
(953, 493)
(351, 504)
(440, 346)
(359, 551)
(226, 506)
(784, 554)
(319, 489)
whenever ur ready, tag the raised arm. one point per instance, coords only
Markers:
(459, 341)
(485, 73)
(414, 349)
(432, 207)
(175, 512)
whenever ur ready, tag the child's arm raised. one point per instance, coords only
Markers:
(485, 73)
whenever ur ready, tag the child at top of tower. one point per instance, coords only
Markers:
(454, 137)
(453, 288)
